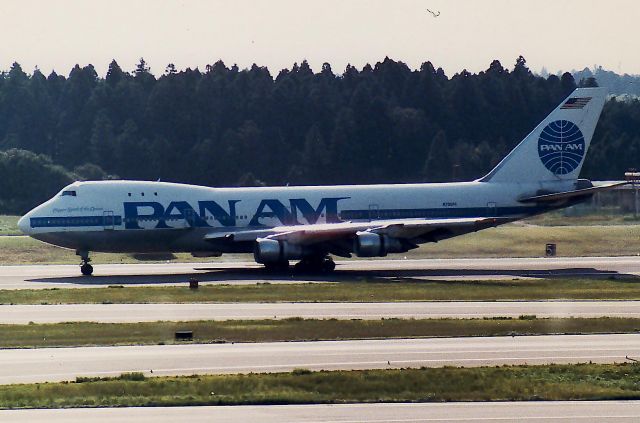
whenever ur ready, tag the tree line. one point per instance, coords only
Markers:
(225, 126)
(624, 84)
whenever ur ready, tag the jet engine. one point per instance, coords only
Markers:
(368, 244)
(272, 251)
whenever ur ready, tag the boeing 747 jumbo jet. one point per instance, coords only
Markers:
(279, 224)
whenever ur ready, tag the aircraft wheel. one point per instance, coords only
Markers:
(328, 265)
(277, 266)
(86, 269)
(314, 265)
(301, 266)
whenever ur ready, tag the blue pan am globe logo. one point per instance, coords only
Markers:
(561, 147)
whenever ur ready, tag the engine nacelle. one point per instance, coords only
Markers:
(368, 244)
(272, 251)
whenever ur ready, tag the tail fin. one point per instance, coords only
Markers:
(556, 148)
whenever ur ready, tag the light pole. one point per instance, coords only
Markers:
(634, 177)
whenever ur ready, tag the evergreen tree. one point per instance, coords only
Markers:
(440, 166)
(228, 126)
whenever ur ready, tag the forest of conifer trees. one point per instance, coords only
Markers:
(224, 126)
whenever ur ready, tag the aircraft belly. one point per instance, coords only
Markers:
(130, 241)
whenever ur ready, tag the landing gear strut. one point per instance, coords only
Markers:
(324, 264)
(277, 266)
(85, 267)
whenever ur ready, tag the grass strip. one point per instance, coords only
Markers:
(606, 217)
(297, 329)
(507, 383)
(9, 225)
(400, 289)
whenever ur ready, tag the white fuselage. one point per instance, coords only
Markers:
(139, 216)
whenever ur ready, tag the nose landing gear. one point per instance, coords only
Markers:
(85, 267)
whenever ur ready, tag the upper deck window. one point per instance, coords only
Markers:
(71, 193)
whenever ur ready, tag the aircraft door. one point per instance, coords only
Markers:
(374, 211)
(108, 220)
(492, 209)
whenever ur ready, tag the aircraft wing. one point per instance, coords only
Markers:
(560, 196)
(421, 230)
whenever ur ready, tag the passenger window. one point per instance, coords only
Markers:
(69, 193)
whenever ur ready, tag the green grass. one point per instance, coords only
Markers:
(529, 241)
(9, 225)
(400, 289)
(507, 383)
(297, 329)
(605, 217)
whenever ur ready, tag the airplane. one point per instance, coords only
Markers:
(312, 223)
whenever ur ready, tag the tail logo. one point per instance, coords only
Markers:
(561, 147)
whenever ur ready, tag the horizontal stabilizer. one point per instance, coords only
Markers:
(558, 196)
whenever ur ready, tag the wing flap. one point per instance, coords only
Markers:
(405, 229)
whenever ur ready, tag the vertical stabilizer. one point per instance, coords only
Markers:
(556, 148)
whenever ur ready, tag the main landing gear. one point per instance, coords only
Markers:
(85, 267)
(313, 264)
(318, 264)
(277, 266)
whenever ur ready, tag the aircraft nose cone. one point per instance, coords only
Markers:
(23, 224)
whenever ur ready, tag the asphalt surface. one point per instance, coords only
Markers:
(57, 364)
(68, 276)
(131, 313)
(561, 411)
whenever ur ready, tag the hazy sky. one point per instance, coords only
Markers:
(556, 34)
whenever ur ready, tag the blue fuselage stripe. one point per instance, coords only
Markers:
(440, 212)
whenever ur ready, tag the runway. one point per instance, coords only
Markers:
(131, 313)
(58, 364)
(540, 411)
(68, 276)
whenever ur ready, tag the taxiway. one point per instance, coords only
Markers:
(131, 313)
(68, 276)
(539, 411)
(58, 364)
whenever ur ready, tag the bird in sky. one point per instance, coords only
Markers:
(435, 14)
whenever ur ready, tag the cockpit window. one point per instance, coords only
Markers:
(71, 193)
